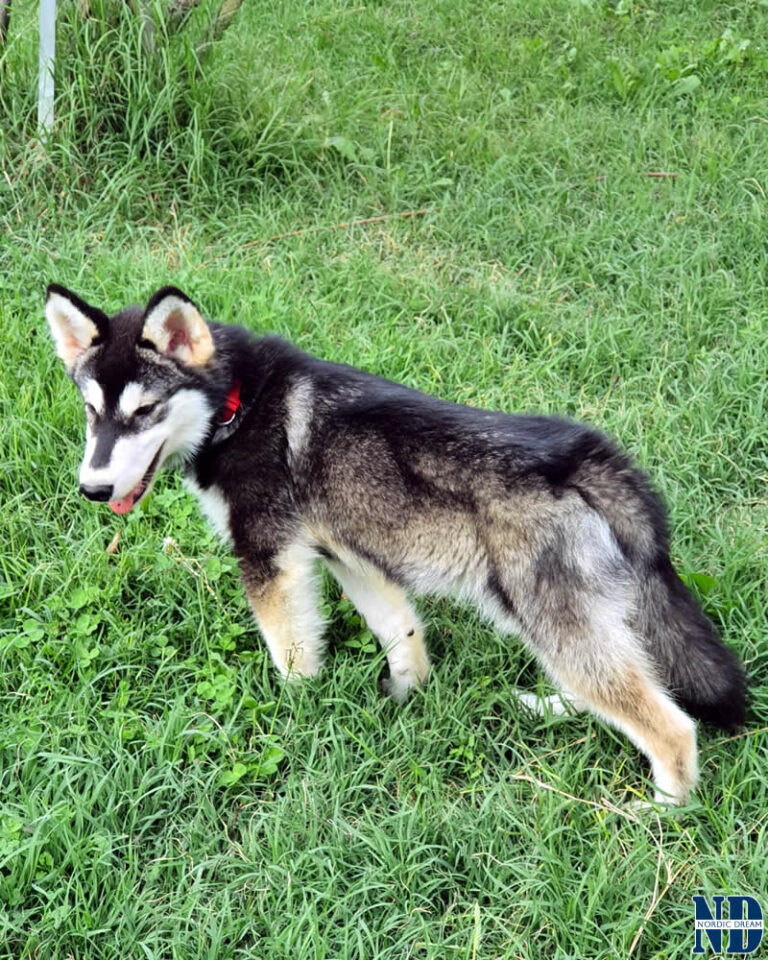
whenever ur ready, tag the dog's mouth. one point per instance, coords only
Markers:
(129, 501)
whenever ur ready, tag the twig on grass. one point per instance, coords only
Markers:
(605, 806)
(655, 174)
(114, 542)
(752, 180)
(657, 840)
(655, 901)
(627, 812)
(191, 564)
(345, 225)
(553, 753)
(740, 736)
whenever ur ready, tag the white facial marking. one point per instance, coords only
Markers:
(215, 507)
(187, 421)
(129, 461)
(299, 405)
(133, 397)
(181, 431)
(93, 395)
(90, 449)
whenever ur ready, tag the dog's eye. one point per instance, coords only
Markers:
(145, 410)
(90, 411)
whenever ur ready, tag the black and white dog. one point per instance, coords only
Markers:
(540, 522)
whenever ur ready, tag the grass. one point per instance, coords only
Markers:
(162, 794)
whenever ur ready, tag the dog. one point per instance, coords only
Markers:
(541, 522)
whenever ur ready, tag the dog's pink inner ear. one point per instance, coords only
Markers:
(177, 330)
(179, 333)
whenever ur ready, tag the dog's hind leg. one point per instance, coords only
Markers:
(609, 673)
(391, 617)
(284, 597)
(576, 603)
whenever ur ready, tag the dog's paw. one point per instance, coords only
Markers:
(400, 685)
(552, 706)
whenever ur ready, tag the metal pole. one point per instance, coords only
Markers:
(45, 66)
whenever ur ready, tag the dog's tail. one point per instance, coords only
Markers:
(703, 675)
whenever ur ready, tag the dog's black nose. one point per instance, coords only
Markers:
(96, 493)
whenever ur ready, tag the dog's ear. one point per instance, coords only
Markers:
(175, 328)
(74, 324)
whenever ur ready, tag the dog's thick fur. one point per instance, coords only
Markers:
(540, 522)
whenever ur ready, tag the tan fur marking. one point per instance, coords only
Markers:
(272, 608)
(656, 725)
(287, 613)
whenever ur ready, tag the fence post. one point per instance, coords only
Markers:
(45, 66)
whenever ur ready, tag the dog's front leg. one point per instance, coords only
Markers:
(391, 616)
(282, 591)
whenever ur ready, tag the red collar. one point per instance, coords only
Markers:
(232, 404)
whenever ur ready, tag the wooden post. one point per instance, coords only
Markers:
(46, 62)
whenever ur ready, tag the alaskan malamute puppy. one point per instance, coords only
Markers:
(540, 522)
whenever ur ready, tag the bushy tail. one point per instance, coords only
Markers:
(700, 672)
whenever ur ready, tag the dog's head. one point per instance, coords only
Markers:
(142, 375)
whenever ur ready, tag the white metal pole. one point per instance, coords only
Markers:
(45, 66)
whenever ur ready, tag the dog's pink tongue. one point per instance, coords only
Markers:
(125, 503)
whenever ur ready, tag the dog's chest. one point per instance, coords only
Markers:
(214, 505)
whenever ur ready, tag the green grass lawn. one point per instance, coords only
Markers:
(162, 793)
